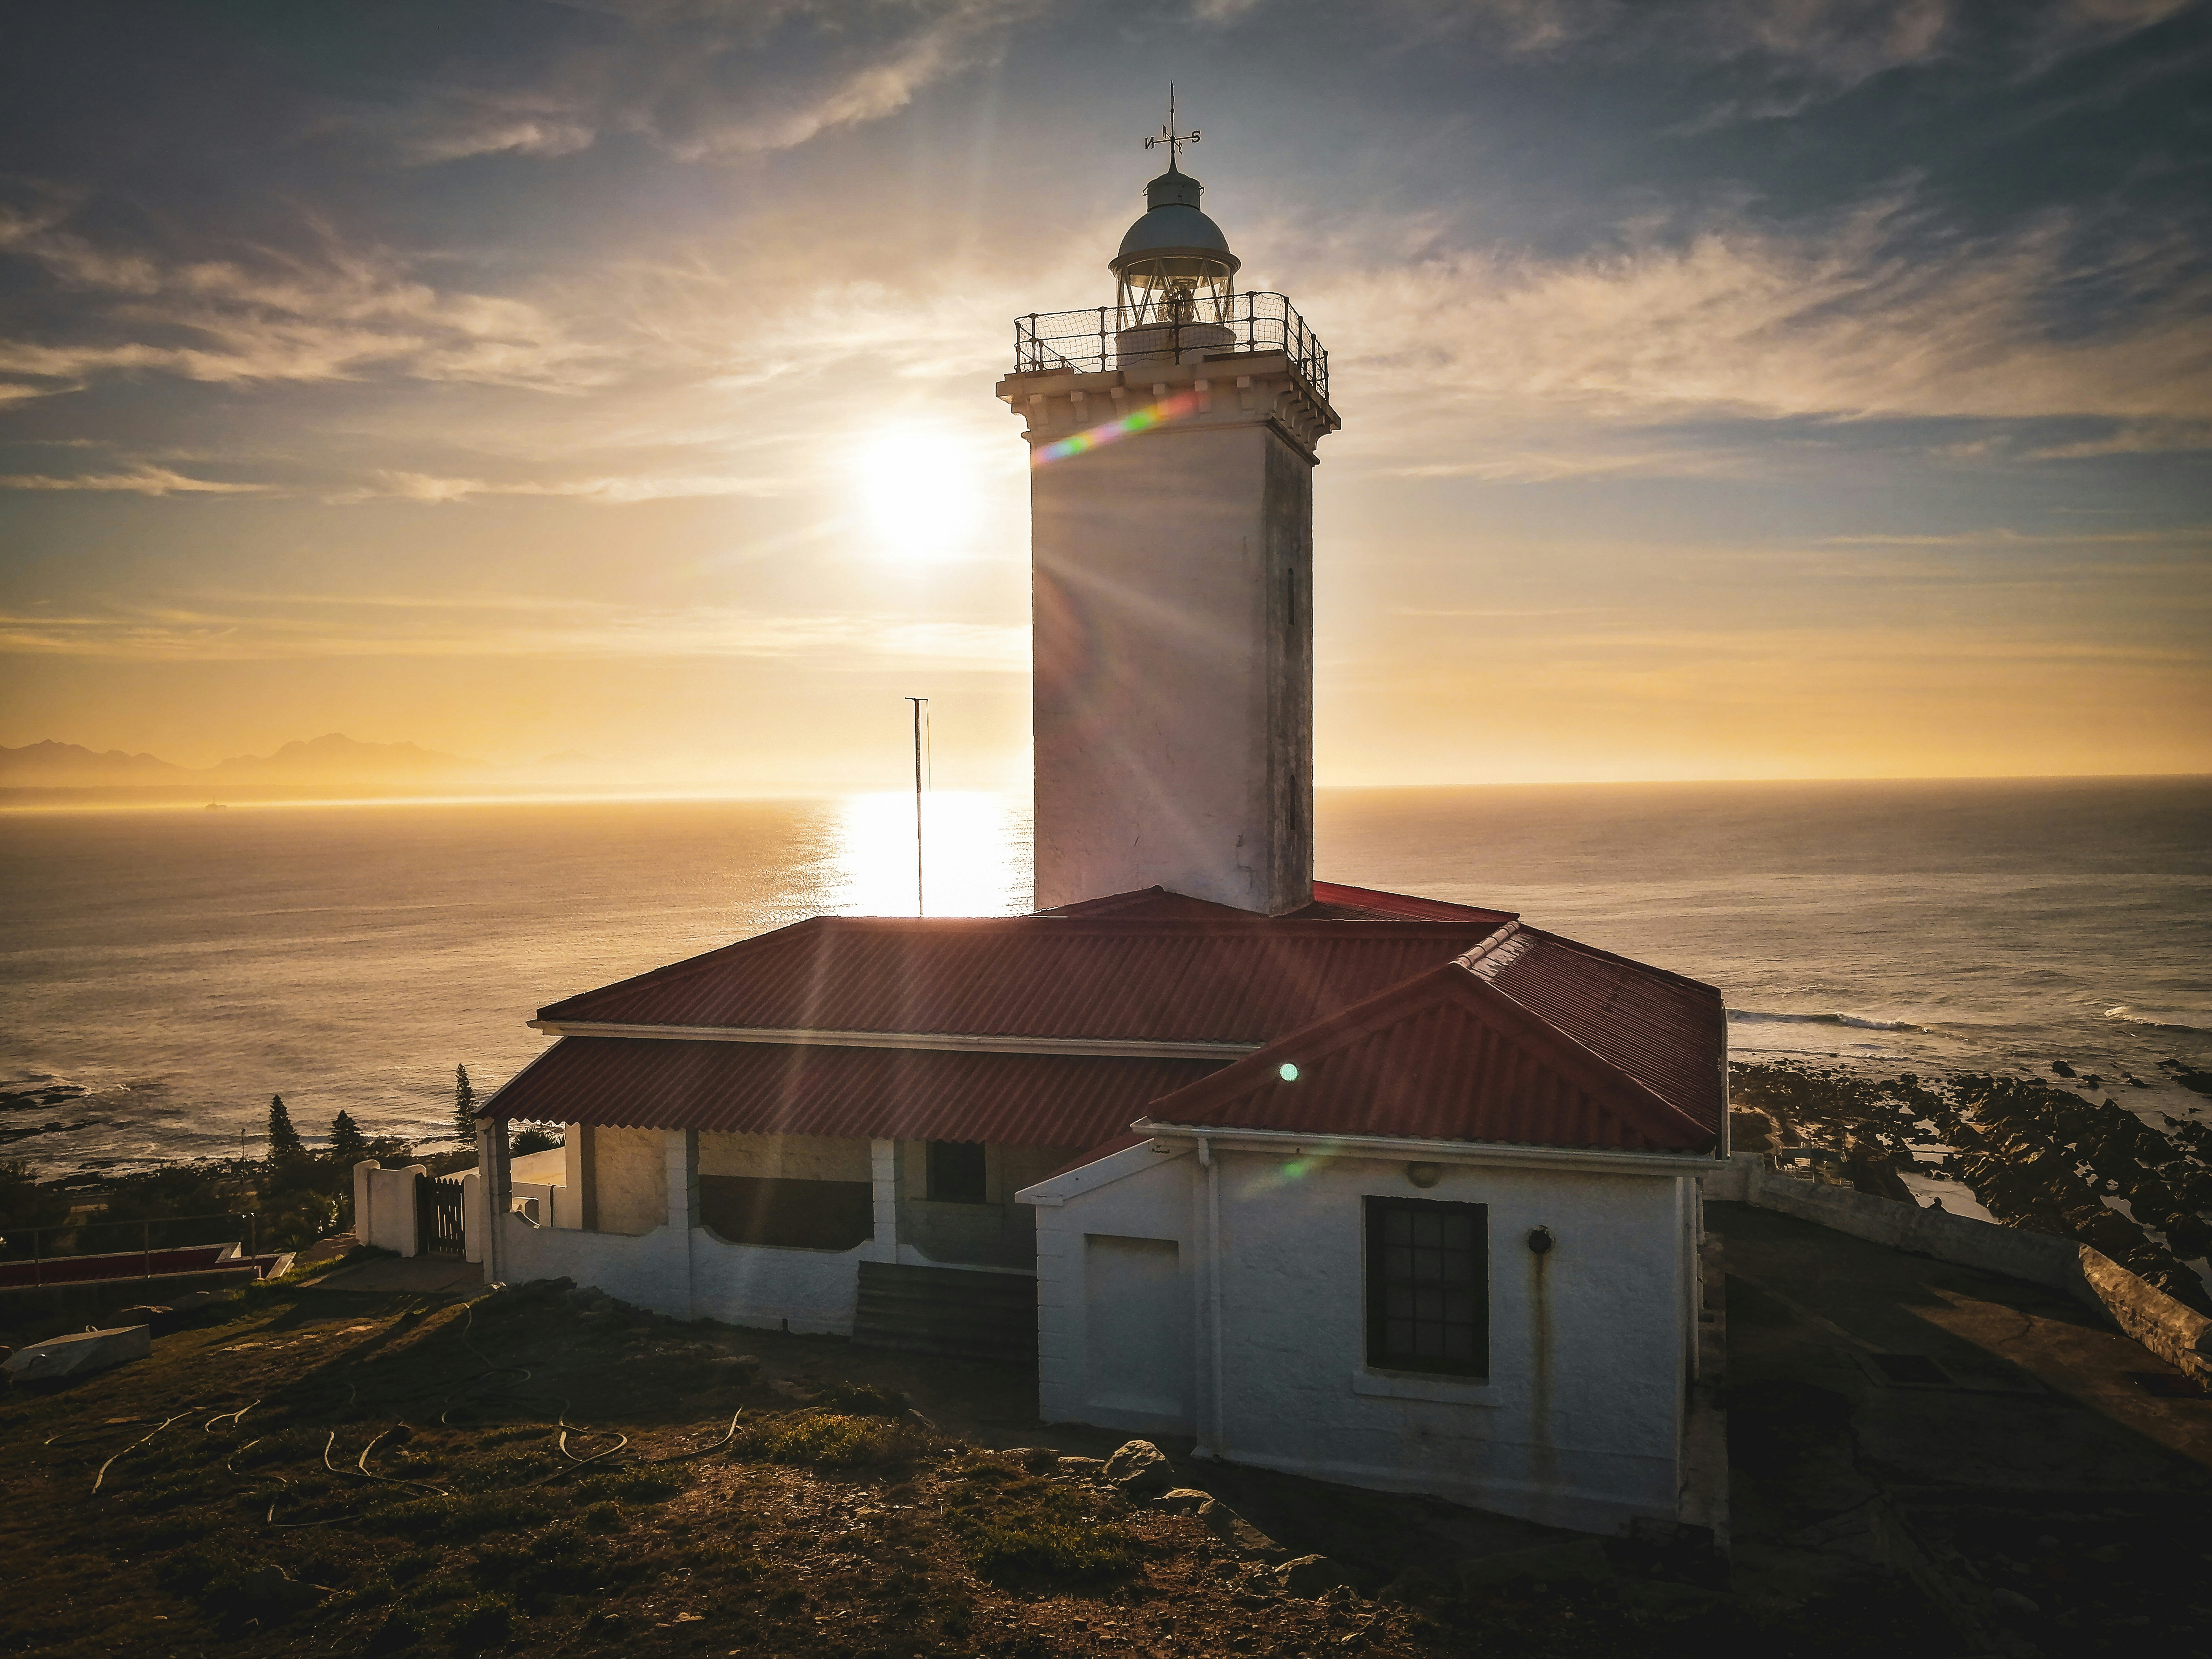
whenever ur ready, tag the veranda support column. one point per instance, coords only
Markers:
(683, 1211)
(883, 1169)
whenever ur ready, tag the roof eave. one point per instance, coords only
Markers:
(1290, 1142)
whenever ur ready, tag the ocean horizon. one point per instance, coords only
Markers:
(170, 968)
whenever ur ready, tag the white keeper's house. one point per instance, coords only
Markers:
(1382, 1189)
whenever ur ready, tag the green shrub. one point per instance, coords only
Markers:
(831, 1440)
(1017, 1526)
(861, 1400)
(636, 1485)
(604, 1518)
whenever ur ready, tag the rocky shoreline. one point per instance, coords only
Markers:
(2044, 1157)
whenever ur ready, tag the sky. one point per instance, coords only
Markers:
(1731, 388)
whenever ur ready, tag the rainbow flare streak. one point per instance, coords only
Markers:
(1142, 420)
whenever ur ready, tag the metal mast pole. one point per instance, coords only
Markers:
(917, 702)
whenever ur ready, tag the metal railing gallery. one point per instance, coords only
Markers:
(1200, 329)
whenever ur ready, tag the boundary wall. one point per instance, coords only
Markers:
(2173, 1331)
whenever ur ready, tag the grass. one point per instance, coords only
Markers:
(1015, 1527)
(848, 1529)
(833, 1440)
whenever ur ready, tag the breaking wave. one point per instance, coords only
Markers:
(2137, 1017)
(1850, 1022)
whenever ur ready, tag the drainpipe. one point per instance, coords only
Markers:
(1218, 1434)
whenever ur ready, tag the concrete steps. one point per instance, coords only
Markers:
(951, 1311)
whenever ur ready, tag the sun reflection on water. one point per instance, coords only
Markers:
(976, 846)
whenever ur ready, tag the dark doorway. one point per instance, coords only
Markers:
(955, 1172)
(801, 1215)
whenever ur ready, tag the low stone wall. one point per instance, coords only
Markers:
(2178, 1335)
(27, 1304)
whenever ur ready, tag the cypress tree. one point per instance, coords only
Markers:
(464, 1107)
(347, 1145)
(283, 1139)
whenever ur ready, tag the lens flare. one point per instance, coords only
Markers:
(1127, 426)
(1288, 1072)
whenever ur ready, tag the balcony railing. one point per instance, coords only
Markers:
(1202, 330)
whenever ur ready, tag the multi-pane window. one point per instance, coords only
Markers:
(1428, 1292)
(956, 1172)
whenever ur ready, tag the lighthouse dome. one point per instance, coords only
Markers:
(1174, 238)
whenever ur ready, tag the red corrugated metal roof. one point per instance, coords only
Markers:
(1500, 1060)
(1228, 979)
(904, 1094)
(1446, 1056)
(1669, 1033)
(1332, 902)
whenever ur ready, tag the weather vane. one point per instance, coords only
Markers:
(1174, 141)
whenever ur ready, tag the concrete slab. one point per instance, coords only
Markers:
(2020, 1359)
(62, 1357)
(1986, 1436)
(427, 1275)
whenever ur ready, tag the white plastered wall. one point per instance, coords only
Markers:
(784, 1157)
(384, 1205)
(631, 1171)
(669, 1262)
(1578, 1423)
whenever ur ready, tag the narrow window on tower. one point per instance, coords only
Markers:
(955, 1172)
(1428, 1286)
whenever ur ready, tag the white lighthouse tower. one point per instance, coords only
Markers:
(1172, 444)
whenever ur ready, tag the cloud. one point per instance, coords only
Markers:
(246, 627)
(699, 81)
(333, 312)
(612, 490)
(1791, 54)
(2003, 536)
(144, 481)
(1576, 457)
(1879, 312)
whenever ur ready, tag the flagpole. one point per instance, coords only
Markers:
(918, 906)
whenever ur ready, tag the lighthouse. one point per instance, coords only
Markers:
(1173, 440)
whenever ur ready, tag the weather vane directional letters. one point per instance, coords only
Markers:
(1174, 141)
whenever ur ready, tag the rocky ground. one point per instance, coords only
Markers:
(2061, 1157)
(547, 1472)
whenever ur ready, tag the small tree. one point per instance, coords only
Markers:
(465, 1107)
(347, 1145)
(283, 1139)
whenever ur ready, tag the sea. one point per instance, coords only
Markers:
(166, 969)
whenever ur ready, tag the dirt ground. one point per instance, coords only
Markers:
(309, 1469)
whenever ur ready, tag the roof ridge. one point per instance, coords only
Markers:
(1545, 936)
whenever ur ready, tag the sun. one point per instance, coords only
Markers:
(918, 492)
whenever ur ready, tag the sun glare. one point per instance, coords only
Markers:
(975, 861)
(918, 491)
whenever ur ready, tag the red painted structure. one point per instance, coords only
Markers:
(1405, 1017)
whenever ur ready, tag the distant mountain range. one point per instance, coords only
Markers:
(331, 761)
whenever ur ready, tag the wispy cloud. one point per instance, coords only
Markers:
(1791, 53)
(611, 490)
(1879, 312)
(702, 81)
(246, 629)
(333, 312)
(144, 481)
